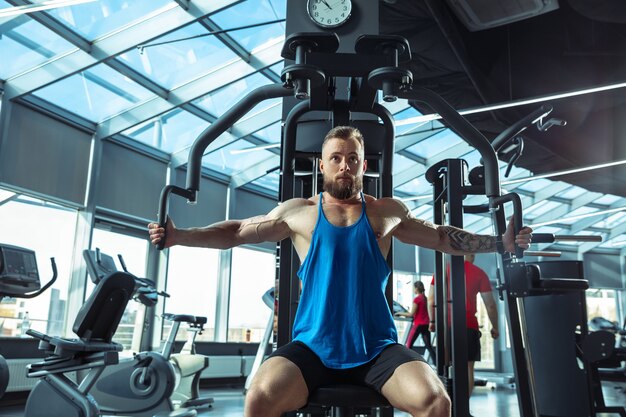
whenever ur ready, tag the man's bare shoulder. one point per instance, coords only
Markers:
(291, 206)
(391, 206)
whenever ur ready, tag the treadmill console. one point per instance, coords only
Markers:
(18, 271)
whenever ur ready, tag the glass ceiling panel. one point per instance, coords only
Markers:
(228, 162)
(535, 185)
(470, 221)
(270, 134)
(572, 192)
(251, 12)
(277, 68)
(406, 114)
(95, 94)
(423, 212)
(402, 163)
(95, 19)
(226, 97)
(417, 186)
(607, 199)
(613, 220)
(176, 63)
(170, 132)
(269, 181)
(27, 45)
(435, 144)
(570, 218)
(615, 243)
(540, 208)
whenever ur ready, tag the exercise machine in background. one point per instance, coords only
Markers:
(269, 300)
(19, 278)
(91, 352)
(150, 382)
(544, 301)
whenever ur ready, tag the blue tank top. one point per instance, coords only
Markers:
(343, 314)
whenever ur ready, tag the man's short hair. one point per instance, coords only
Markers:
(344, 132)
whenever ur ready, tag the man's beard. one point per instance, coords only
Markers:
(343, 190)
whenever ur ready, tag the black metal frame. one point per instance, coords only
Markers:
(312, 78)
(308, 61)
(520, 280)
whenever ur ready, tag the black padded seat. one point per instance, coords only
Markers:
(95, 325)
(348, 400)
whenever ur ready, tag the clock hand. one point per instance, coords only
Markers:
(326, 4)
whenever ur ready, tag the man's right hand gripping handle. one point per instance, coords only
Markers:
(158, 234)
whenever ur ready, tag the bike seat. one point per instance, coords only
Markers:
(185, 318)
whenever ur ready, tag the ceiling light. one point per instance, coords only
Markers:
(35, 7)
(435, 116)
(255, 148)
(565, 172)
(581, 216)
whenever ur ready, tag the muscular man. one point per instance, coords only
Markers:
(343, 330)
(476, 282)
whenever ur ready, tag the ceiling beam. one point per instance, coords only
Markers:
(234, 46)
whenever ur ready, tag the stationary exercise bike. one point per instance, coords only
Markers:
(19, 278)
(57, 393)
(149, 382)
(605, 345)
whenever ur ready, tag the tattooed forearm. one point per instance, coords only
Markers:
(462, 241)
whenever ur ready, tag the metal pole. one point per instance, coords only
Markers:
(460, 377)
(288, 287)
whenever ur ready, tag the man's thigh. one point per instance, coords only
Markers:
(379, 370)
(280, 381)
(413, 386)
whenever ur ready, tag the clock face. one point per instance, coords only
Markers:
(329, 13)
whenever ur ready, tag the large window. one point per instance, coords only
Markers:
(403, 295)
(134, 252)
(48, 229)
(602, 303)
(253, 273)
(192, 286)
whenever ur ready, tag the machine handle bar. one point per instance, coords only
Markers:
(190, 195)
(512, 131)
(549, 238)
(48, 285)
(498, 202)
(545, 254)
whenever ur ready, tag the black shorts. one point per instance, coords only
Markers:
(373, 374)
(473, 345)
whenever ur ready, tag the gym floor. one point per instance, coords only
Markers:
(500, 402)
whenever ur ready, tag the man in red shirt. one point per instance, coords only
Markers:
(419, 314)
(476, 281)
